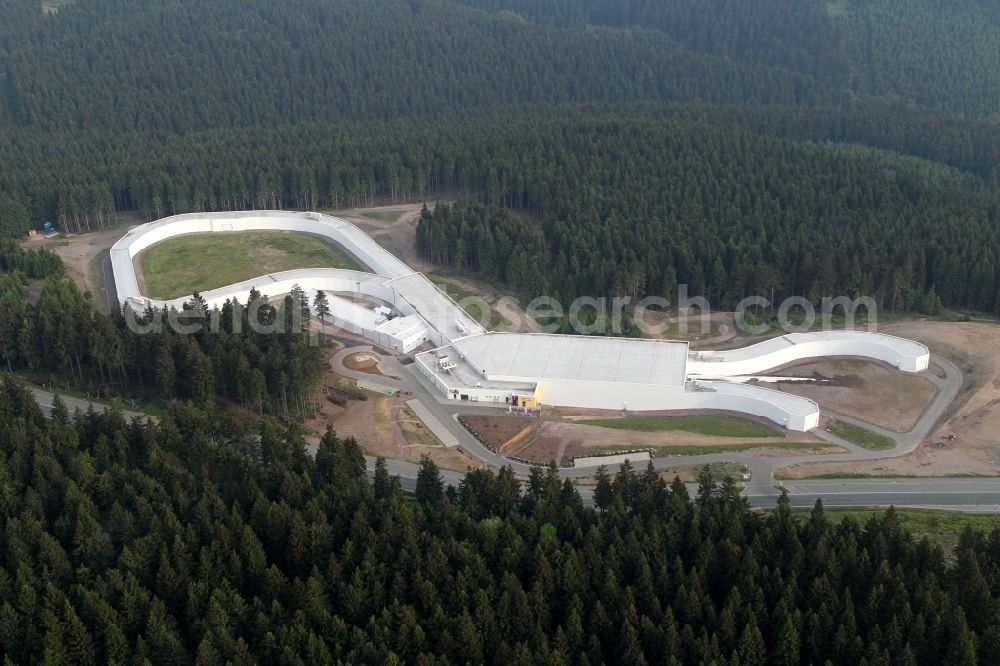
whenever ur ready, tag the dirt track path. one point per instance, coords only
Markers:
(397, 429)
(393, 227)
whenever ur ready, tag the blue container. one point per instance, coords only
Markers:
(47, 226)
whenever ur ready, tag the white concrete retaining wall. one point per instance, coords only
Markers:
(786, 410)
(436, 307)
(790, 411)
(310, 280)
(342, 309)
(490, 394)
(346, 315)
(427, 372)
(597, 461)
(349, 316)
(405, 333)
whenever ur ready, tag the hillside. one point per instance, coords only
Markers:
(710, 144)
(584, 147)
(206, 539)
(901, 55)
(157, 66)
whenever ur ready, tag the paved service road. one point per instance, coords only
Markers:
(980, 495)
(432, 423)
(977, 495)
(44, 399)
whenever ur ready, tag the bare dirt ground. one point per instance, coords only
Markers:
(496, 431)
(507, 316)
(872, 392)
(702, 332)
(974, 418)
(564, 440)
(384, 426)
(510, 314)
(973, 346)
(82, 254)
(393, 227)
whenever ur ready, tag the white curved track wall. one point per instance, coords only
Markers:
(430, 316)
(904, 354)
(370, 253)
(391, 281)
(790, 411)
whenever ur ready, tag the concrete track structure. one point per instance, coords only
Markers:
(469, 364)
(901, 353)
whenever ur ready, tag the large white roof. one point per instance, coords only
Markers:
(512, 356)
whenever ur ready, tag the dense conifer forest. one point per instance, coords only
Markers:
(213, 535)
(210, 539)
(830, 148)
(257, 355)
(600, 147)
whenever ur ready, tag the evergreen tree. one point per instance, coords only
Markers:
(603, 492)
(429, 485)
(321, 304)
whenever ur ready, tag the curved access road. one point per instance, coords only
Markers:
(45, 400)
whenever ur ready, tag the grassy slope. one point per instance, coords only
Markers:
(863, 438)
(708, 449)
(941, 527)
(180, 266)
(711, 425)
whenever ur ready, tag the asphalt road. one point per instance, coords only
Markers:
(44, 399)
(972, 495)
(965, 494)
